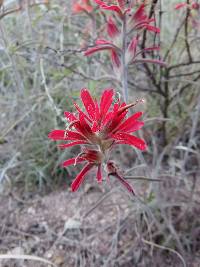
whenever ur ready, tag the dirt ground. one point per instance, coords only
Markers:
(61, 227)
(87, 228)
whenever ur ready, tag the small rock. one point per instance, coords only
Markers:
(31, 210)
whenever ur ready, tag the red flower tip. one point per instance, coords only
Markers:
(180, 5)
(195, 5)
(81, 6)
(140, 14)
(153, 29)
(115, 8)
(112, 28)
(112, 170)
(115, 59)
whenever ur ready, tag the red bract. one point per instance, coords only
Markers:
(82, 6)
(113, 171)
(119, 8)
(132, 52)
(101, 45)
(100, 127)
(192, 5)
(180, 5)
(93, 159)
(139, 20)
(112, 28)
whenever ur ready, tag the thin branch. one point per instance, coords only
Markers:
(183, 74)
(186, 33)
(183, 64)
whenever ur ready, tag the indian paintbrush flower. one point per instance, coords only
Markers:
(119, 43)
(99, 128)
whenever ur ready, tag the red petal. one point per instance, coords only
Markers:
(106, 101)
(180, 5)
(132, 48)
(125, 183)
(65, 135)
(115, 59)
(140, 14)
(129, 123)
(112, 7)
(148, 60)
(81, 112)
(72, 161)
(73, 136)
(115, 118)
(97, 111)
(108, 118)
(99, 174)
(76, 8)
(133, 45)
(102, 42)
(152, 28)
(137, 125)
(95, 127)
(84, 6)
(195, 5)
(82, 126)
(112, 28)
(121, 3)
(73, 144)
(80, 177)
(70, 116)
(88, 103)
(95, 49)
(57, 135)
(124, 138)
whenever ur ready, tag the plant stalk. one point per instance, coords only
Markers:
(124, 65)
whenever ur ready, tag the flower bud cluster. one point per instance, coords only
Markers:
(124, 27)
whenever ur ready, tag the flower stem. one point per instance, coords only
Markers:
(124, 65)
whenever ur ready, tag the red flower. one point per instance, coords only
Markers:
(82, 6)
(101, 126)
(138, 20)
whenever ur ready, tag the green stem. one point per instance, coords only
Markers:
(124, 65)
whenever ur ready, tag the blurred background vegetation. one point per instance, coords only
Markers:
(42, 70)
